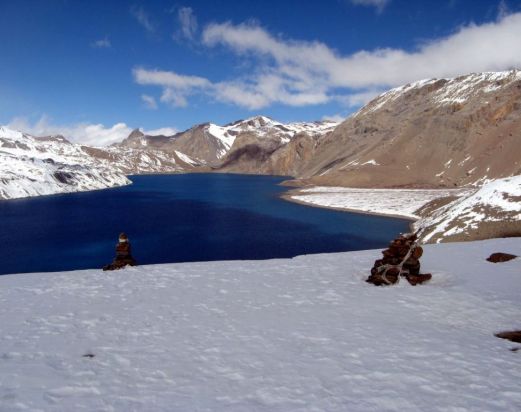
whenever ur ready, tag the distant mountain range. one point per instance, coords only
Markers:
(434, 133)
(431, 133)
(31, 166)
(220, 147)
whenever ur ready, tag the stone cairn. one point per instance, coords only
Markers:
(123, 255)
(401, 258)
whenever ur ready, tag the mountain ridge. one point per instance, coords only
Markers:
(433, 133)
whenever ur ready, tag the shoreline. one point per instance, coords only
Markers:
(288, 197)
(347, 199)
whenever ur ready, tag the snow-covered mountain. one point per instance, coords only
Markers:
(32, 166)
(211, 143)
(262, 126)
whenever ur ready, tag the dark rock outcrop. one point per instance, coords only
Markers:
(500, 257)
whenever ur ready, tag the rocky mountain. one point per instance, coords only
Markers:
(242, 146)
(265, 146)
(431, 133)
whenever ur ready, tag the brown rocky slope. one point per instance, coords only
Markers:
(432, 133)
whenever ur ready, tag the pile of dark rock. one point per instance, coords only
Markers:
(123, 255)
(400, 259)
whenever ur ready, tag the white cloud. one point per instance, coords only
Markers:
(82, 133)
(165, 131)
(378, 4)
(101, 44)
(301, 73)
(149, 101)
(471, 48)
(142, 18)
(187, 22)
(176, 87)
(168, 79)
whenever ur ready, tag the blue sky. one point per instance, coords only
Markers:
(94, 70)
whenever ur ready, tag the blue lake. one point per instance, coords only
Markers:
(178, 218)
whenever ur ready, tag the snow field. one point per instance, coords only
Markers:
(302, 334)
(394, 202)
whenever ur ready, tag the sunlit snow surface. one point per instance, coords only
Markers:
(497, 200)
(33, 167)
(303, 334)
(398, 202)
(29, 165)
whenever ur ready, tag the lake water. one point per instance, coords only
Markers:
(178, 218)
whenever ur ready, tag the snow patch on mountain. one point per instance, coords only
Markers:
(455, 90)
(392, 95)
(223, 135)
(460, 89)
(262, 127)
(188, 159)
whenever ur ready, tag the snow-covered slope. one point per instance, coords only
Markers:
(492, 210)
(262, 126)
(472, 213)
(304, 334)
(32, 166)
(137, 161)
(456, 90)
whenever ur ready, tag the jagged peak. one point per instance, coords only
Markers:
(138, 132)
(258, 120)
